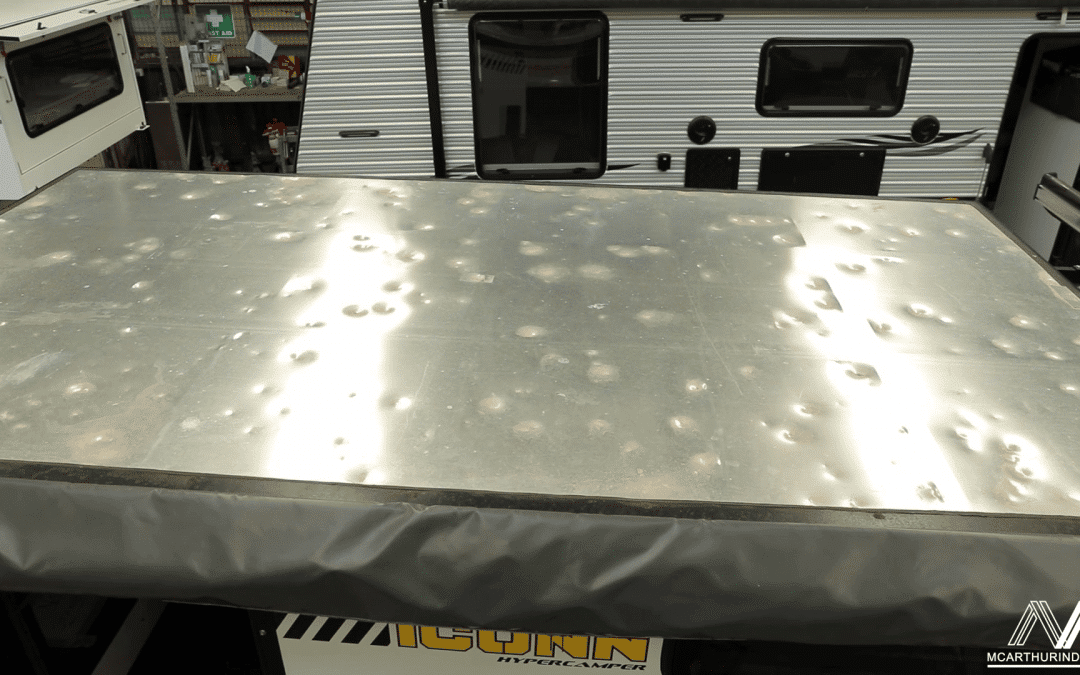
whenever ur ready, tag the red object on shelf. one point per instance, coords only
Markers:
(274, 127)
(288, 63)
(274, 131)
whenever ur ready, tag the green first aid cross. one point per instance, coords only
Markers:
(219, 22)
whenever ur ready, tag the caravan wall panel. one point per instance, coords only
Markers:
(367, 69)
(366, 72)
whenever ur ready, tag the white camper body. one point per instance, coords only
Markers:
(67, 87)
(368, 74)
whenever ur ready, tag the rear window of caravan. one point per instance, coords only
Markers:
(842, 78)
(59, 79)
(539, 90)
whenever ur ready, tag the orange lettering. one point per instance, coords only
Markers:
(487, 641)
(406, 635)
(576, 646)
(634, 649)
(430, 638)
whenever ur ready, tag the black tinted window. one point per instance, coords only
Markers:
(539, 95)
(60, 78)
(819, 77)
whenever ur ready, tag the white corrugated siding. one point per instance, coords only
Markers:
(664, 72)
(366, 72)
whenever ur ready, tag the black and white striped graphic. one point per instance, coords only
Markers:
(327, 629)
(900, 144)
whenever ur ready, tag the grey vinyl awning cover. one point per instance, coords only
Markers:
(531, 570)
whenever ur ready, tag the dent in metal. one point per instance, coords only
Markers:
(652, 344)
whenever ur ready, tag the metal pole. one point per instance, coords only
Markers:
(199, 134)
(164, 59)
(190, 146)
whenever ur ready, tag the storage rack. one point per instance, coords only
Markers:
(286, 22)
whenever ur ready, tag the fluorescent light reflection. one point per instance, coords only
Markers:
(882, 389)
(329, 411)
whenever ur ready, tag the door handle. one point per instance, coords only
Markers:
(358, 133)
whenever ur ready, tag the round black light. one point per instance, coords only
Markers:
(925, 129)
(701, 130)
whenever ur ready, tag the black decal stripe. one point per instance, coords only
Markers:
(328, 629)
(890, 141)
(948, 137)
(853, 141)
(874, 140)
(468, 168)
(861, 143)
(354, 636)
(300, 626)
(383, 639)
(942, 150)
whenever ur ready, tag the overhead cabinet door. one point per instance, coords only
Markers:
(27, 19)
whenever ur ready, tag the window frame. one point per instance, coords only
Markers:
(904, 79)
(17, 55)
(474, 69)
